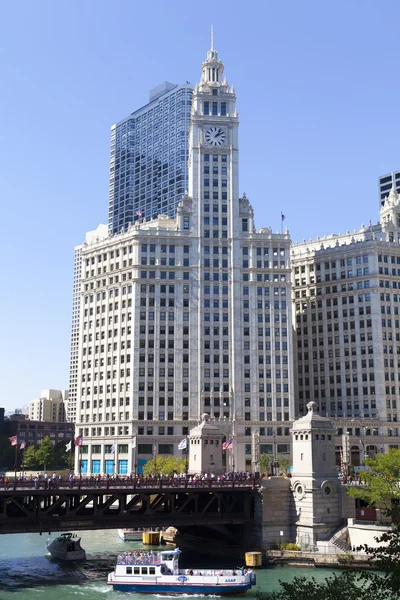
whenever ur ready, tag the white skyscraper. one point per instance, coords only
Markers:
(346, 298)
(186, 315)
(98, 234)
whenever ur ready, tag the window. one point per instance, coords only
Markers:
(206, 108)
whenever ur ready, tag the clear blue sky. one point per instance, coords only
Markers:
(318, 91)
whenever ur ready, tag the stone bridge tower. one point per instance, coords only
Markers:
(205, 448)
(315, 484)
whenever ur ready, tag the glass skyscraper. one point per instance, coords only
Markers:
(149, 158)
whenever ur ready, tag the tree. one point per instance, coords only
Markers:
(381, 489)
(284, 463)
(61, 457)
(167, 465)
(266, 461)
(30, 459)
(7, 453)
(45, 453)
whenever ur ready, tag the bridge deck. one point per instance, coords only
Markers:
(89, 504)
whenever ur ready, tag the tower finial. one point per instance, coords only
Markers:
(212, 37)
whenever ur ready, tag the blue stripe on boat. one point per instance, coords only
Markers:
(174, 588)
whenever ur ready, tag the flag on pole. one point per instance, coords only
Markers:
(283, 217)
(79, 440)
(155, 450)
(182, 444)
(134, 442)
(228, 445)
(13, 440)
(68, 446)
(139, 213)
(112, 449)
(22, 446)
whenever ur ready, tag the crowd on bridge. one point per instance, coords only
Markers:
(45, 481)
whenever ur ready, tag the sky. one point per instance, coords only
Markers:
(318, 91)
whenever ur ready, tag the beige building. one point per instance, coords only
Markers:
(187, 315)
(346, 298)
(50, 407)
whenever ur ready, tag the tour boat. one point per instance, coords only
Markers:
(66, 547)
(159, 573)
(131, 535)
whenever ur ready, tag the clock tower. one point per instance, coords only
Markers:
(213, 148)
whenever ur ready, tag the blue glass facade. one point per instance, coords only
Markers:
(149, 158)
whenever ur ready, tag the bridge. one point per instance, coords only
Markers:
(111, 504)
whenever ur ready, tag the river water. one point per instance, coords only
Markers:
(28, 573)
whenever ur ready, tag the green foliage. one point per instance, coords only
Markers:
(284, 463)
(29, 458)
(7, 453)
(266, 461)
(167, 465)
(289, 546)
(349, 585)
(45, 453)
(345, 559)
(62, 458)
(381, 488)
(352, 585)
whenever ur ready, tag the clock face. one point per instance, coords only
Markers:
(215, 136)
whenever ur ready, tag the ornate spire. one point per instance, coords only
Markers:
(393, 193)
(212, 67)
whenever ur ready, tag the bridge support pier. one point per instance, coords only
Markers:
(276, 512)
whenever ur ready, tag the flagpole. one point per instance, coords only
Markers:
(15, 464)
(281, 223)
(187, 458)
(80, 462)
(70, 456)
(134, 456)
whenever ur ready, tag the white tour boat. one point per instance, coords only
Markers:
(66, 547)
(131, 535)
(159, 573)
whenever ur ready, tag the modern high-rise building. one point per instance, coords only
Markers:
(98, 234)
(149, 158)
(50, 407)
(386, 182)
(188, 314)
(346, 300)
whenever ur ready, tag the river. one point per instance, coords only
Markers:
(27, 572)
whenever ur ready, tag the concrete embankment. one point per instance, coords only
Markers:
(316, 559)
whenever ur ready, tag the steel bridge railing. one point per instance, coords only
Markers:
(132, 483)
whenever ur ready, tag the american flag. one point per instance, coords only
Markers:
(139, 213)
(13, 440)
(283, 217)
(78, 440)
(22, 446)
(228, 445)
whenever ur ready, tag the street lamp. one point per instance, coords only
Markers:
(363, 429)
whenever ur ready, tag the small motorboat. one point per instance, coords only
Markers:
(66, 547)
(131, 535)
(158, 573)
